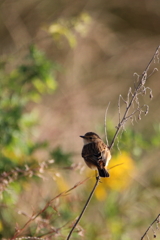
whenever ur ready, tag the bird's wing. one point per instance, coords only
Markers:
(93, 153)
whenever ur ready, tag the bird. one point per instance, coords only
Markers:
(96, 153)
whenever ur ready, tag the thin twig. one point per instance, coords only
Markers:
(83, 210)
(150, 226)
(140, 89)
(105, 124)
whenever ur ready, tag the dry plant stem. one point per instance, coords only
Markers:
(155, 220)
(134, 96)
(34, 216)
(81, 214)
(105, 125)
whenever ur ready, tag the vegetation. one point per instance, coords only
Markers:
(44, 107)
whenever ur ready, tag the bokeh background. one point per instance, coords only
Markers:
(61, 63)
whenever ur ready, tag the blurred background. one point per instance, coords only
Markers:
(61, 63)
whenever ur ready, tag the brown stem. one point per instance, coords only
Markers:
(150, 227)
(123, 119)
(85, 206)
(142, 81)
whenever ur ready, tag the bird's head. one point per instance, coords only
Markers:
(90, 137)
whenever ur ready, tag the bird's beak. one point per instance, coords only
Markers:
(82, 136)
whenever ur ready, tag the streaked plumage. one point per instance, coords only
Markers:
(96, 154)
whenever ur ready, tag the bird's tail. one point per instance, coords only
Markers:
(103, 172)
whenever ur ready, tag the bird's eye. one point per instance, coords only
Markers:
(90, 138)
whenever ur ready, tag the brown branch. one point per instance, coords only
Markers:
(105, 125)
(140, 89)
(16, 173)
(34, 216)
(85, 206)
(150, 226)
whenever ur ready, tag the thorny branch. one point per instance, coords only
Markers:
(133, 98)
(157, 220)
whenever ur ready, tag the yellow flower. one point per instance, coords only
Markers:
(120, 169)
(120, 174)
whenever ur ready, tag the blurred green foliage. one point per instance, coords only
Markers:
(23, 84)
(26, 83)
(60, 157)
(134, 141)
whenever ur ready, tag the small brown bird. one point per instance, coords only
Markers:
(95, 152)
